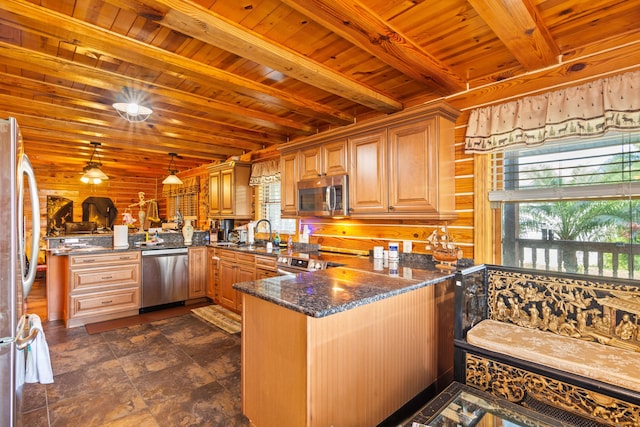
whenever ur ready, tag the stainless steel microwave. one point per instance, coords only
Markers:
(324, 196)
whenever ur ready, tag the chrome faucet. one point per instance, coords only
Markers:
(269, 223)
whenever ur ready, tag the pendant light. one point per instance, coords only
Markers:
(92, 172)
(132, 112)
(130, 106)
(172, 179)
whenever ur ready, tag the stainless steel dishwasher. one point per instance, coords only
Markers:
(165, 277)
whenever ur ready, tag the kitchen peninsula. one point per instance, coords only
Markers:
(346, 346)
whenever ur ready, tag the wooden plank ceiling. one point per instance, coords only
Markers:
(229, 77)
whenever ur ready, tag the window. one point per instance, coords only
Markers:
(573, 206)
(268, 198)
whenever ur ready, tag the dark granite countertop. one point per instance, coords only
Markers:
(358, 281)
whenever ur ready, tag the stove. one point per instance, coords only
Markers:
(298, 262)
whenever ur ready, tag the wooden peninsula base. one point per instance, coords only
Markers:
(352, 368)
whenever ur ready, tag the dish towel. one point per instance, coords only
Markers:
(38, 360)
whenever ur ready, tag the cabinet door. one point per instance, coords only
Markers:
(197, 272)
(214, 193)
(413, 167)
(367, 181)
(212, 274)
(245, 273)
(310, 163)
(227, 277)
(288, 187)
(227, 188)
(334, 158)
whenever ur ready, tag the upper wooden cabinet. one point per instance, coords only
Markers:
(368, 192)
(288, 184)
(400, 165)
(230, 195)
(329, 158)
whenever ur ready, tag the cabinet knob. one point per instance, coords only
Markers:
(391, 208)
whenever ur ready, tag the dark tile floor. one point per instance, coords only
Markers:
(179, 371)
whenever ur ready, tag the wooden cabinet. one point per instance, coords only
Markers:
(197, 272)
(421, 167)
(288, 184)
(368, 191)
(102, 287)
(399, 166)
(212, 274)
(326, 159)
(265, 267)
(234, 267)
(230, 195)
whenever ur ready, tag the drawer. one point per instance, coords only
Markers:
(97, 303)
(246, 258)
(103, 277)
(227, 255)
(79, 261)
(266, 262)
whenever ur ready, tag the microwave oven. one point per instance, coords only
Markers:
(324, 196)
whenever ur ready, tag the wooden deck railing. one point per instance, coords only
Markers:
(596, 258)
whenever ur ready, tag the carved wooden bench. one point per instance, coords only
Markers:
(551, 341)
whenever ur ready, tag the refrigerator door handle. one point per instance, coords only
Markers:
(26, 170)
(24, 338)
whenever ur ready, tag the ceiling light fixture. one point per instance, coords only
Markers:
(92, 172)
(132, 112)
(172, 179)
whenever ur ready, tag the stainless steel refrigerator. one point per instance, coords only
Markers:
(17, 268)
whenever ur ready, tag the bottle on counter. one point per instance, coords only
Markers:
(290, 243)
(276, 240)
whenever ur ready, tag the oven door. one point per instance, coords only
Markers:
(288, 271)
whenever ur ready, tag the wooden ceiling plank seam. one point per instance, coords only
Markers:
(131, 49)
(202, 24)
(522, 31)
(371, 33)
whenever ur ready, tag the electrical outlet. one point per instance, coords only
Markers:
(407, 246)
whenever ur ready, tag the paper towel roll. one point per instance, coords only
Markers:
(120, 237)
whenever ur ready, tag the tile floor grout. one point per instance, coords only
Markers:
(180, 371)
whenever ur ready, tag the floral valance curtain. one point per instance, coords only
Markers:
(189, 186)
(590, 109)
(267, 172)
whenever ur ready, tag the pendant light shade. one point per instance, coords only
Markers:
(172, 179)
(92, 172)
(132, 112)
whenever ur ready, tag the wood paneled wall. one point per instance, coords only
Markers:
(122, 191)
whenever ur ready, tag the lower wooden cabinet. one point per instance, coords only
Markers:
(102, 287)
(197, 272)
(266, 267)
(212, 287)
(234, 267)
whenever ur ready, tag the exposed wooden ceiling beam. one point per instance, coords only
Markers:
(370, 32)
(103, 42)
(202, 24)
(519, 27)
(65, 70)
